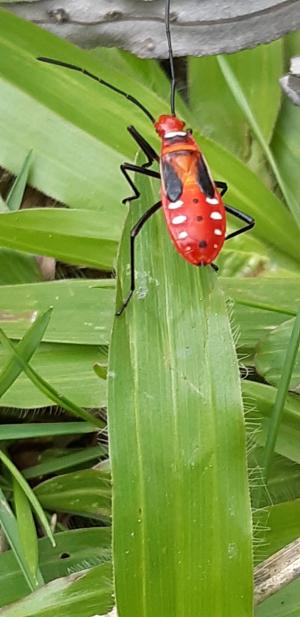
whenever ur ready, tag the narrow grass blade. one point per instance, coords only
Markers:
(9, 525)
(270, 356)
(47, 389)
(241, 99)
(184, 537)
(260, 400)
(15, 195)
(27, 347)
(60, 463)
(27, 532)
(282, 391)
(29, 494)
(68, 368)
(78, 547)
(33, 431)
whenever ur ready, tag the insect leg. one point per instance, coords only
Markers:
(250, 222)
(133, 234)
(125, 168)
(144, 145)
(151, 156)
(221, 185)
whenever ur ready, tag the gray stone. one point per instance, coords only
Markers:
(198, 27)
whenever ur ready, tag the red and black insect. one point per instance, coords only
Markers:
(193, 206)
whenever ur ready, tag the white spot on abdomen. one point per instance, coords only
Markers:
(175, 134)
(212, 200)
(182, 235)
(175, 204)
(177, 220)
(216, 216)
(218, 232)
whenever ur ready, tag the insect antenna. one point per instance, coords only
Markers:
(79, 69)
(171, 59)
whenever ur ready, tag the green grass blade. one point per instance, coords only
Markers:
(282, 391)
(15, 195)
(16, 267)
(27, 347)
(29, 494)
(257, 71)
(90, 324)
(270, 356)
(75, 236)
(262, 399)
(86, 492)
(47, 389)
(69, 370)
(241, 99)
(9, 525)
(80, 548)
(81, 594)
(60, 463)
(33, 431)
(27, 532)
(184, 538)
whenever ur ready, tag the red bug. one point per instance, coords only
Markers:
(193, 207)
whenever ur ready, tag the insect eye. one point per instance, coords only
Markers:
(190, 131)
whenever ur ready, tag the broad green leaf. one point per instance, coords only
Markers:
(27, 531)
(74, 236)
(15, 196)
(82, 594)
(89, 324)
(9, 525)
(17, 476)
(179, 451)
(270, 356)
(86, 492)
(74, 550)
(69, 370)
(16, 267)
(214, 106)
(82, 136)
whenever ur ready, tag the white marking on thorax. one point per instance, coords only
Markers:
(218, 232)
(212, 200)
(175, 134)
(175, 204)
(182, 235)
(179, 219)
(216, 216)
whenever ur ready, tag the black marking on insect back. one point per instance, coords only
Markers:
(173, 184)
(202, 244)
(204, 180)
(199, 218)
